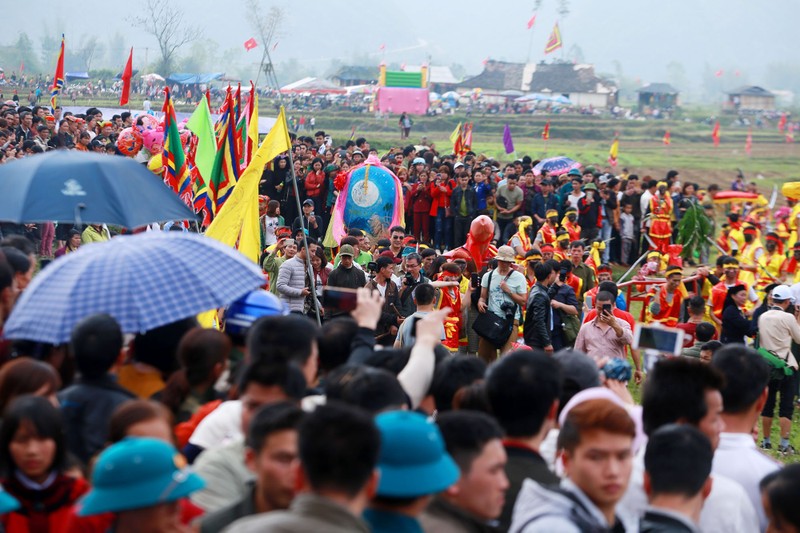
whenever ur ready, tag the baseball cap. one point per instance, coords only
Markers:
(347, 249)
(136, 473)
(459, 164)
(413, 460)
(782, 293)
(575, 172)
(308, 201)
(243, 312)
(418, 161)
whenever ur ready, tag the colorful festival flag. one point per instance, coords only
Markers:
(226, 163)
(715, 134)
(250, 43)
(613, 153)
(455, 136)
(251, 142)
(748, 143)
(546, 131)
(554, 42)
(176, 172)
(237, 223)
(508, 142)
(666, 140)
(58, 79)
(127, 74)
(201, 157)
(532, 21)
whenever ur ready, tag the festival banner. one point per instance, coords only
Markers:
(127, 74)
(715, 136)
(554, 42)
(613, 153)
(508, 142)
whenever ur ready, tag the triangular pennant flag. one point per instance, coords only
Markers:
(554, 42)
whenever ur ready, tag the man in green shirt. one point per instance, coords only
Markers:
(509, 201)
(581, 269)
(273, 261)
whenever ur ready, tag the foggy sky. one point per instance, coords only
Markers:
(642, 35)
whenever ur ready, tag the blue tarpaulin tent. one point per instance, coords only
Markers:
(189, 79)
(76, 76)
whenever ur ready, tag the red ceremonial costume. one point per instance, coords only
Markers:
(660, 227)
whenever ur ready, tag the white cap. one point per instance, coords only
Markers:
(782, 293)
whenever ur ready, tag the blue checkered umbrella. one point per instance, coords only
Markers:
(143, 281)
(555, 166)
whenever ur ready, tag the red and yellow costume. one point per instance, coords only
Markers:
(660, 216)
(669, 313)
(547, 234)
(451, 297)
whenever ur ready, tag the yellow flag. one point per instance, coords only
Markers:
(456, 134)
(237, 222)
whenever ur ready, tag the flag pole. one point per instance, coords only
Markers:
(309, 268)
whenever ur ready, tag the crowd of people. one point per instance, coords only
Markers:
(467, 371)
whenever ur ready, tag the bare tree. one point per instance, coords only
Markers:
(165, 22)
(88, 49)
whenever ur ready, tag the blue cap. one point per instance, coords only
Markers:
(136, 473)
(413, 460)
(8, 503)
(575, 172)
(243, 312)
(418, 161)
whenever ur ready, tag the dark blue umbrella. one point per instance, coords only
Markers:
(71, 186)
(555, 166)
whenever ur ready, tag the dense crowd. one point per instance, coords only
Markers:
(467, 371)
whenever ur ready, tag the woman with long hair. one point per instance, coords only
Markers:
(421, 206)
(314, 185)
(71, 245)
(33, 455)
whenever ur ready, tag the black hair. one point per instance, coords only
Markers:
(781, 488)
(399, 229)
(604, 296)
(565, 264)
(19, 262)
(282, 338)
(704, 332)
(678, 459)
(424, 293)
(609, 287)
(95, 343)
(271, 419)
(697, 305)
(676, 389)
(711, 346)
(360, 141)
(339, 446)
(158, 347)
(372, 389)
(23, 244)
(542, 270)
(522, 387)
(43, 418)
(334, 342)
(452, 374)
(274, 374)
(746, 375)
(466, 434)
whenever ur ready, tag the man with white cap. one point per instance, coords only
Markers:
(776, 331)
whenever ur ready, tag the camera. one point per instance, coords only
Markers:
(372, 266)
(409, 279)
(508, 308)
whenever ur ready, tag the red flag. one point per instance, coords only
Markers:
(127, 74)
(719, 73)
(666, 140)
(715, 134)
(58, 78)
(546, 131)
(782, 122)
(22, 65)
(250, 43)
(748, 143)
(532, 21)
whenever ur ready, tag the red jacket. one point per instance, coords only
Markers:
(440, 198)
(421, 199)
(314, 183)
(45, 510)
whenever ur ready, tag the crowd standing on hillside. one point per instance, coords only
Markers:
(478, 381)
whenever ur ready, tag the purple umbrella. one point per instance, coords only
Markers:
(555, 166)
